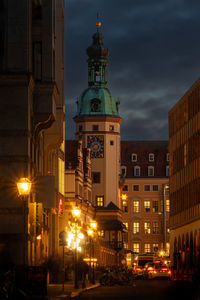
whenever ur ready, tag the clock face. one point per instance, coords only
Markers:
(96, 143)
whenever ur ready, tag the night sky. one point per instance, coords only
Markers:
(154, 58)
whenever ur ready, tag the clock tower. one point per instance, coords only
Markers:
(98, 125)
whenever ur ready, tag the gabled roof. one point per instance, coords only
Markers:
(110, 206)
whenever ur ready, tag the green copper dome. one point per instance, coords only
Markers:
(97, 99)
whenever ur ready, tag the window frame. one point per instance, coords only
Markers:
(145, 186)
(154, 190)
(147, 228)
(96, 173)
(124, 168)
(137, 206)
(101, 201)
(155, 227)
(134, 248)
(150, 168)
(95, 127)
(147, 248)
(137, 168)
(147, 209)
(133, 154)
(124, 207)
(137, 186)
(127, 185)
(151, 160)
(155, 208)
(136, 229)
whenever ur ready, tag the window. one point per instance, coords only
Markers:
(96, 177)
(95, 105)
(167, 157)
(136, 187)
(136, 208)
(155, 227)
(124, 206)
(147, 206)
(100, 201)
(167, 170)
(155, 187)
(167, 205)
(95, 127)
(134, 157)
(147, 228)
(111, 143)
(147, 248)
(111, 128)
(125, 188)
(80, 127)
(147, 188)
(136, 247)
(155, 247)
(137, 171)
(136, 227)
(155, 205)
(123, 171)
(150, 171)
(151, 157)
(101, 233)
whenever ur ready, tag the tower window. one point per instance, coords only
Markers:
(80, 127)
(111, 127)
(99, 201)
(96, 177)
(111, 143)
(95, 105)
(95, 127)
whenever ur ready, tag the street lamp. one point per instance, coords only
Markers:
(76, 212)
(91, 232)
(24, 189)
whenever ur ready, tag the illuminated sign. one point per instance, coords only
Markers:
(60, 206)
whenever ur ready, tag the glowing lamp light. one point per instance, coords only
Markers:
(39, 237)
(124, 197)
(76, 212)
(90, 232)
(24, 186)
(93, 224)
(80, 235)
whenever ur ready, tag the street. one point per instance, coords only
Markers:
(144, 289)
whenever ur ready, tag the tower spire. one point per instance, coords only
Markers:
(98, 23)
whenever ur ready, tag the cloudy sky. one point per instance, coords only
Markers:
(154, 58)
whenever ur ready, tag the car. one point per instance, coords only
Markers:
(138, 272)
(156, 270)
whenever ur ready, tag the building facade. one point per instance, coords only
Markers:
(144, 195)
(31, 128)
(184, 148)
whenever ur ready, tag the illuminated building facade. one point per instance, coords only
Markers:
(144, 195)
(31, 127)
(184, 148)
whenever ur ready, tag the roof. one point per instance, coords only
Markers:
(110, 206)
(112, 225)
(143, 149)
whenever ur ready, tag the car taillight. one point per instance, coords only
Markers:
(164, 269)
(150, 269)
(138, 268)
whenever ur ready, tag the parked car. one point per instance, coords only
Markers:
(138, 272)
(156, 270)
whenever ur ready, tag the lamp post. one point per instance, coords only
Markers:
(24, 189)
(76, 212)
(91, 232)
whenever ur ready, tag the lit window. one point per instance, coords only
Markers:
(111, 128)
(134, 157)
(137, 171)
(155, 187)
(123, 171)
(124, 206)
(167, 171)
(147, 188)
(136, 227)
(136, 208)
(136, 247)
(167, 157)
(147, 205)
(61, 173)
(150, 171)
(155, 228)
(147, 248)
(100, 201)
(147, 228)
(136, 187)
(155, 205)
(167, 205)
(101, 233)
(125, 188)
(151, 157)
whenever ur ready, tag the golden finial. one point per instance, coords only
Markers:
(98, 23)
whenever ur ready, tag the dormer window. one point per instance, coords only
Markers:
(167, 157)
(133, 157)
(151, 157)
(95, 105)
(123, 171)
(137, 171)
(150, 171)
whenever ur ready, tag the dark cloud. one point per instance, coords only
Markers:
(154, 58)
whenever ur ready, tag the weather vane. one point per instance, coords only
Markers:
(98, 23)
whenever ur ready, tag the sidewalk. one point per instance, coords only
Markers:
(56, 292)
